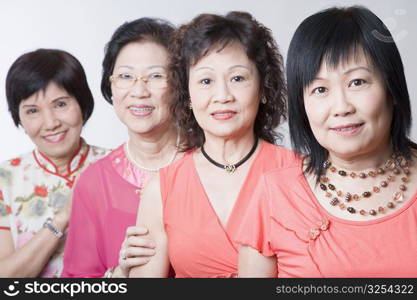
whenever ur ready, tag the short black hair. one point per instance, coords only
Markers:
(332, 36)
(196, 39)
(144, 29)
(33, 71)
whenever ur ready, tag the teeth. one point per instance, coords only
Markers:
(54, 138)
(347, 128)
(223, 114)
(141, 109)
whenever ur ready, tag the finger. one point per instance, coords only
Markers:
(135, 241)
(139, 252)
(136, 261)
(136, 230)
(123, 253)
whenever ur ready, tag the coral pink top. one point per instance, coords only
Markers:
(198, 244)
(285, 219)
(105, 203)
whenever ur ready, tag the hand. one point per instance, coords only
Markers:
(136, 250)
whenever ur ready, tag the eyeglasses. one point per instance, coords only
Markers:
(127, 80)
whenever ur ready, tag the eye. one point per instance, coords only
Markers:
(61, 104)
(319, 90)
(357, 82)
(31, 111)
(238, 78)
(126, 76)
(157, 76)
(205, 81)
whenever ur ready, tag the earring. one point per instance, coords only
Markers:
(111, 98)
(190, 106)
(263, 100)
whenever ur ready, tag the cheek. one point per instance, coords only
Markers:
(31, 126)
(73, 117)
(118, 95)
(316, 113)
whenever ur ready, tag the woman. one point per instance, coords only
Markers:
(228, 87)
(106, 195)
(48, 95)
(348, 207)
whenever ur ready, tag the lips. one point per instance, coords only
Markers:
(348, 129)
(55, 137)
(141, 110)
(223, 114)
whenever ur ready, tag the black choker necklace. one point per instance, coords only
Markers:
(232, 167)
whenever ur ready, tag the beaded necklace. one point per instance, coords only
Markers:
(393, 166)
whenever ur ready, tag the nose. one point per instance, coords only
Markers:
(342, 105)
(222, 92)
(140, 89)
(50, 120)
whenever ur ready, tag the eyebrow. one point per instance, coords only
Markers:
(61, 98)
(148, 68)
(230, 68)
(348, 71)
(238, 66)
(56, 99)
(357, 68)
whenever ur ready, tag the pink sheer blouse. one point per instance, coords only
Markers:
(105, 203)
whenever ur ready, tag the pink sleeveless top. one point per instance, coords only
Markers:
(198, 244)
(286, 220)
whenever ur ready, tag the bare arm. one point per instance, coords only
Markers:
(136, 250)
(254, 264)
(150, 216)
(29, 260)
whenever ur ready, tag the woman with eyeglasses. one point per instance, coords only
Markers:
(229, 97)
(107, 195)
(49, 97)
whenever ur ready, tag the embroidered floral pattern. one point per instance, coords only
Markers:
(321, 225)
(33, 193)
(15, 162)
(5, 177)
(3, 210)
(41, 191)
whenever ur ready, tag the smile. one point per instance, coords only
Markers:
(223, 115)
(141, 110)
(349, 129)
(55, 138)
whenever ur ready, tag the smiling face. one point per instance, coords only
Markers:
(348, 108)
(225, 92)
(142, 107)
(52, 119)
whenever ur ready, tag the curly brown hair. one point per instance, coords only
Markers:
(194, 40)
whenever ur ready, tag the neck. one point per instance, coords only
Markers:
(62, 162)
(363, 161)
(228, 150)
(152, 150)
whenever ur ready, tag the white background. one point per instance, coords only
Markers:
(83, 27)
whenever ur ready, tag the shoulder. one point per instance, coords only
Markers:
(15, 168)
(286, 175)
(96, 153)
(17, 161)
(281, 156)
(181, 164)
